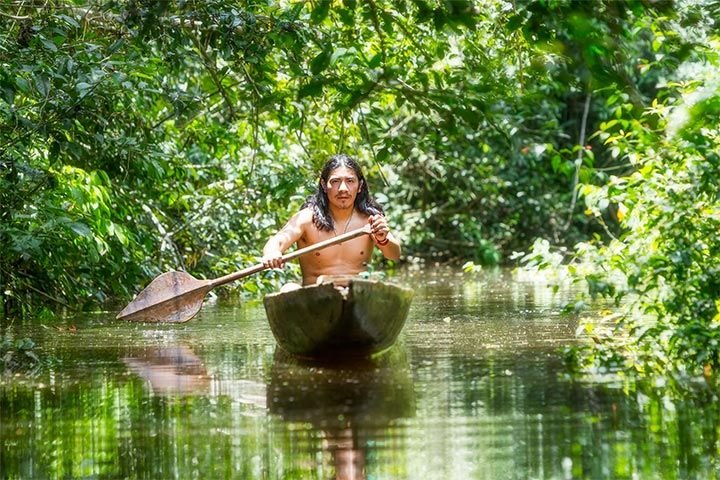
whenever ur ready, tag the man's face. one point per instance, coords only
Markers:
(342, 187)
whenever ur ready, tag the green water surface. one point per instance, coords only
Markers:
(475, 389)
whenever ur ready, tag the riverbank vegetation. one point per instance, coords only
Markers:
(661, 215)
(138, 137)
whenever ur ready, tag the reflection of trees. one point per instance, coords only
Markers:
(494, 338)
(483, 392)
(348, 403)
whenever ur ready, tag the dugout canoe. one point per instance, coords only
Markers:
(361, 319)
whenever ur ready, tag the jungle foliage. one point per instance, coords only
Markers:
(661, 214)
(140, 136)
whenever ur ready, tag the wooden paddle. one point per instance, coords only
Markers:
(176, 297)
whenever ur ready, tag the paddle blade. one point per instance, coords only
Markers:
(173, 297)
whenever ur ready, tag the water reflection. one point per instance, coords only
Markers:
(170, 370)
(177, 371)
(476, 392)
(350, 403)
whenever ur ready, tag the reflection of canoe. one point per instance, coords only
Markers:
(361, 394)
(363, 318)
(350, 404)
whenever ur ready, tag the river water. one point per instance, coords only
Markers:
(475, 389)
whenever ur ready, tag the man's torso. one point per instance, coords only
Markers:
(348, 258)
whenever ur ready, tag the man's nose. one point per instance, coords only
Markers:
(343, 186)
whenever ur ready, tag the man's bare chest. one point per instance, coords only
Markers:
(356, 251)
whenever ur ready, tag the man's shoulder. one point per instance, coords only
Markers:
(304, 216)
(302, 220)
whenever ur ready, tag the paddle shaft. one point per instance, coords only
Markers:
(366, 230)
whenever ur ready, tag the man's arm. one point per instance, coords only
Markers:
(284, 239)
(384, 240)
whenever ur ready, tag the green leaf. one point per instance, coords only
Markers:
(321, 61)
(347, 16)
(42, 85)
(115, 46)
(313, 88)
(514, 22)
(320, 12)
(71, 21)
(375, 60)
(383, 154)
(82, 88)
(22, 84)
(49, 44)
(81, 229)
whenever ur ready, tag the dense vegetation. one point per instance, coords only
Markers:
(661, 212)
(141, 136)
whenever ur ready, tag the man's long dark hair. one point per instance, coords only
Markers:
(319, 203)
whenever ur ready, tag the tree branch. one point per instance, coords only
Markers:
(578, 160)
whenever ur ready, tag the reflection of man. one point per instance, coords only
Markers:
(342, 203)
(349, 458)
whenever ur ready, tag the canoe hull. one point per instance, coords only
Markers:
(319, 320)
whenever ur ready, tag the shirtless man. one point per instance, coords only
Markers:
(342, 203)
